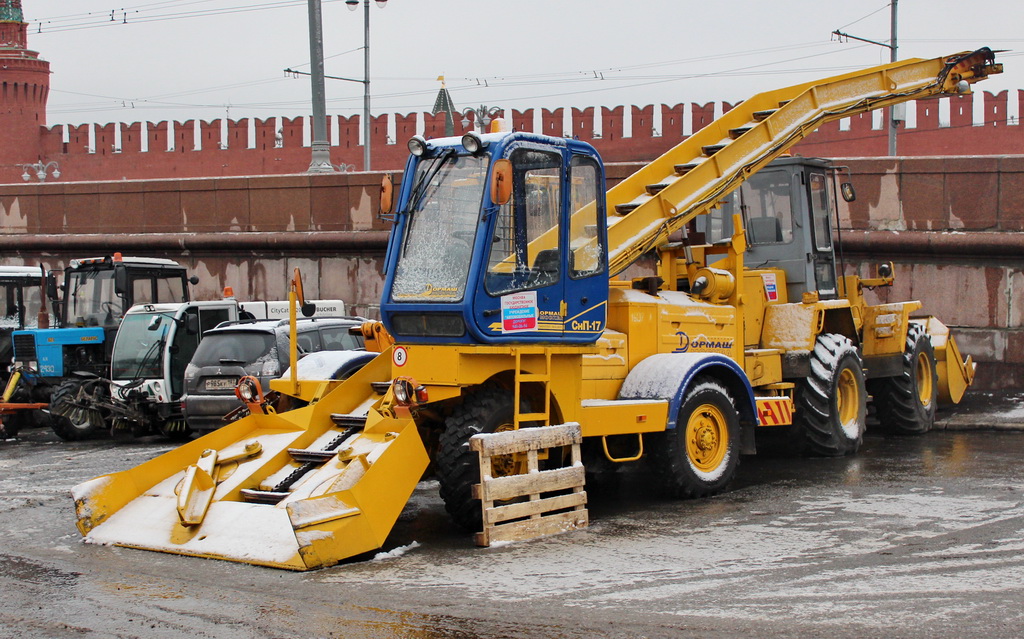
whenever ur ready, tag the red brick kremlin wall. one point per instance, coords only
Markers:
(271, 147)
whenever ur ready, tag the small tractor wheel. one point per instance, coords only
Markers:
(699, 457)
(488, 410)
(905, 404)
(72, 423)
(832, 402)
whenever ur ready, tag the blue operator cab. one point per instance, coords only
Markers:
(498, 238)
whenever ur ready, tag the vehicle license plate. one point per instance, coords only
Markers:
(221, 383)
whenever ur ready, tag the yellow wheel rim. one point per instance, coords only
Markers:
(847, 397)
(707, 438)
(505, 465)
(923, 372)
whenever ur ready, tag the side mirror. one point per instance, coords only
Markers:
(847, 190)
(120, 280)
(501, 182)
(193, 280)
(51, 288)
(192, 324)
(387, 195)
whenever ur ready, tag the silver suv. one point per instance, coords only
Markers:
(258, 348)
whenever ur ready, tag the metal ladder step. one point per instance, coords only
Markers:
(348, 421)
(711, 149)
(533, 417)
(654, 189)
(683, 169)
(262, 496)
(738, 131)
(380, 387)
(761, 116)
(627, 208)
(314, 456)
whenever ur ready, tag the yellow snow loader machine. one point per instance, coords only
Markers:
(504, 309)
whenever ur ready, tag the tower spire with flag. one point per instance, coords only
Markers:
(444, 103)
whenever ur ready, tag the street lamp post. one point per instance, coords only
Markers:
(320, 162)
(482, 115)
(353, 5)
(40, 169)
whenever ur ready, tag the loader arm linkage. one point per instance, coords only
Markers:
(688, 180)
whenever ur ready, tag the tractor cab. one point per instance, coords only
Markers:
(788, 210)
(498, 238)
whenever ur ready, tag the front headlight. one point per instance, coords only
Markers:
(403, 390)
(248, 390)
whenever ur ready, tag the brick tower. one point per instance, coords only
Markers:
(24, 87)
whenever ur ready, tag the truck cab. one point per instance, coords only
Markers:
(481, 252)
(147, 368)
(787, 210)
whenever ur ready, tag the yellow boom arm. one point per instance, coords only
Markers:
(688, 180)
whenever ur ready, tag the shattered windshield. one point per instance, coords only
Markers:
(444, 208)
(138, 351)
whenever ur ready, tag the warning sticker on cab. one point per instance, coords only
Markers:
(519, 312)
(771, 286)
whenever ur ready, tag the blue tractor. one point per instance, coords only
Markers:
(61, 365)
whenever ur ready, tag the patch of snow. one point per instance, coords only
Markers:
(396, 552)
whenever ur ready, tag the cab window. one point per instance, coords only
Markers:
(820, 212)
(525, 244)
(585, 241)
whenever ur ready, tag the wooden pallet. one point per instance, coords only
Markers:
(539, 502)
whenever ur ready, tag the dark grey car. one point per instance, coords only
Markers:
(253, 347)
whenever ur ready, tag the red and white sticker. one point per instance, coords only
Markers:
(771, 286)
(400, 356)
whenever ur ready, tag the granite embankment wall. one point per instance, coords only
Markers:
(953, 227)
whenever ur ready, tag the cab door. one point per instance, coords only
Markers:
(586, 289)
(522, 297)
(822, 255)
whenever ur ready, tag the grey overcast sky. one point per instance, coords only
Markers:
(186, 59)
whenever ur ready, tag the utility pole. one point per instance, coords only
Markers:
(320, 162)
(890, 112)
(892, 58)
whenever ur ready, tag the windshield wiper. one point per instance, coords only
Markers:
(419, 189)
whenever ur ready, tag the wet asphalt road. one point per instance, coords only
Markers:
(914, 537)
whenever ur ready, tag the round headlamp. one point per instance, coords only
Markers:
(417, 145)
(403, 391)
(248, 390)
(472, 143)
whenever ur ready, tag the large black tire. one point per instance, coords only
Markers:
(831, 404)
(75, 424)
(905, 404)
(699, 457)
(487, 410)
